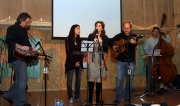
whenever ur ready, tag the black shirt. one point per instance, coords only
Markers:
(130, 54)
(16, 34)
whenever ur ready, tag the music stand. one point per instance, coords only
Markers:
(152, 54)
(86, 46)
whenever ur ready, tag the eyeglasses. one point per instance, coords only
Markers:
(28, 22)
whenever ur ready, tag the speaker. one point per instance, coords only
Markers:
(153, 104)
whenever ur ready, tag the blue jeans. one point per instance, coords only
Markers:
(78, 72)
(18, 89)
(122, 70)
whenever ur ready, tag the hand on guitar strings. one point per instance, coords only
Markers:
(26, 48)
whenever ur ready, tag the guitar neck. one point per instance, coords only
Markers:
(124, 44)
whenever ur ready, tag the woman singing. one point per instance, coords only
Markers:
(94, 60)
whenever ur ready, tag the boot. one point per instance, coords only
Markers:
(91, 88)
(98, 90)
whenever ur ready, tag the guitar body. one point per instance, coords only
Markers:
(24, 55)
(121, 46)
(114, 54)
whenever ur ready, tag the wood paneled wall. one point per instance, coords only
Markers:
(145, 13)
(36, 8)
(142, 13)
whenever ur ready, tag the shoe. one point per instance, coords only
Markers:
(10, 101)
(127, 100)
(159, 93)
(27, 104)
(147, 92)
(77, 100)
(116, 101)
(100, 102)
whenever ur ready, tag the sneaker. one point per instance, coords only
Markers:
(71, 101)
(77, 100)
(10, 101)
(116, 101)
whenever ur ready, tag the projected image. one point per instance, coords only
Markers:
(86, 13)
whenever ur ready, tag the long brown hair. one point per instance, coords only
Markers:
(103, 32)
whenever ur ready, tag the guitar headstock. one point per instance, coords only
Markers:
(140, 36)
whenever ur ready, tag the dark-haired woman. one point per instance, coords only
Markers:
(100, 40)
(73, 61)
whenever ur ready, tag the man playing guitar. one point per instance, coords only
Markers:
(17, 37)
(125, 59)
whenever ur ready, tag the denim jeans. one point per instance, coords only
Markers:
(78, 72)
(18, 89)
(122, 70)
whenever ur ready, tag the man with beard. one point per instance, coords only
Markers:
(17, 37)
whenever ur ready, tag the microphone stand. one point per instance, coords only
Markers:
(129, 74)
(46, 63)
(32, 39)
(101, 54)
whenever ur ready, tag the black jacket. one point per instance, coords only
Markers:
(105, 42)
(73, 54)
(16, 34)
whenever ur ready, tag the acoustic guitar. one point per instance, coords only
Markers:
(25, 55)
(121, 46)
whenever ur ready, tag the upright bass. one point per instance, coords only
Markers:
(163, 69)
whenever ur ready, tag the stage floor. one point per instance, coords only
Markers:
(37, 98)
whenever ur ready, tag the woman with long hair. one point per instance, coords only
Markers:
(94, 58)
(73, 61)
